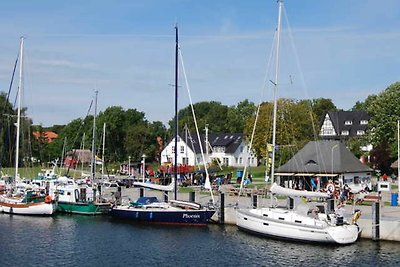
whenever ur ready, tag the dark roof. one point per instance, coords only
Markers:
(339, 118)
(324, 157)
(230, 141)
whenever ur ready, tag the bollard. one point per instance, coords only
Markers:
(192, 196)
(291, 203)
(221, 215)
(375, 221)
(141, 192)
(255, 200)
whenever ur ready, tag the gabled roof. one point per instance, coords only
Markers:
(339, 118)
(231, 141)
(323, 157)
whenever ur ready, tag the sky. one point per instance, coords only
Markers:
(342, 50)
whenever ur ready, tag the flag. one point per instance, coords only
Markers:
(98, 160)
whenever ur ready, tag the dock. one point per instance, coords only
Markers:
(388, 224)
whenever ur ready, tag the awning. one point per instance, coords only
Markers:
(284, 174)
(304, 174)
(326, 174)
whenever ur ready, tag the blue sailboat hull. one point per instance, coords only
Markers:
(183, 217)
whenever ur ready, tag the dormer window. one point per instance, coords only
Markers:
(360, 132)
(348, 123)
(363, 122)
(345, 132)
(311, 162)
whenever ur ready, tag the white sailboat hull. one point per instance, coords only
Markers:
(15, 206)
(287, 224)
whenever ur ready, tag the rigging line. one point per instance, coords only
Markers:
(264, 84)
(77, 133)
(303, 83)
(196, 126)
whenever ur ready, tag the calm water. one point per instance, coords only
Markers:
(66, 240)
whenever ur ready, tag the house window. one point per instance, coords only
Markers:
(363, 122)
(240, 160)
(185, 161)
(173, 149)
(345, 132)
(360, 132)
(225, 161)
(348, 123)
(241, 149)
(182, 149)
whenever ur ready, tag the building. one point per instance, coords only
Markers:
(339, 125)
(47, 136)
(325, 160)
(228, 149)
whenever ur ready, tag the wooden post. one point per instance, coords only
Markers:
(254, 200)
(375, 221)
(141, 192)
(221, 215)
(192, 196)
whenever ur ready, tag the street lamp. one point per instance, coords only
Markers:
(144, 166)
(129, 166)
(332, 156)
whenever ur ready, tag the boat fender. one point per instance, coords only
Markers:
(76, 195)
(330, 187)
(356, 216)
(48, 199)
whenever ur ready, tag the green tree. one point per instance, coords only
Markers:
(238, 116)
(384, 112)
(293, 130)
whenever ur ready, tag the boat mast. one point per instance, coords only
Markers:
(276, 83)
(176, 113)
(398, 161)
(94, 138)
(102, 154)
(20, 89)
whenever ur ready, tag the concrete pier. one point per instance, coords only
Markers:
(389, 216)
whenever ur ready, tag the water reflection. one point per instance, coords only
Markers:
(100, 241)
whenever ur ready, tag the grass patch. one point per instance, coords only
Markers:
(185, 190)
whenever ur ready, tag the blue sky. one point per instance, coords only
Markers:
(344, 50)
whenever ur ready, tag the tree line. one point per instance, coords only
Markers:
(130, 134)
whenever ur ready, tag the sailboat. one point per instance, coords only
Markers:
(81, 198)
(297, 221)
(175, 212)
(26, 201)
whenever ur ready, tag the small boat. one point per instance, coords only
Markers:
(25, 201)
(176, 212)
(31, 203)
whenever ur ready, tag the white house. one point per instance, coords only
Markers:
(228, 148)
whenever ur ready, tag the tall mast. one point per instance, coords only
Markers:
(102, 154)
(176, 113)
(94, 138)
(398, 161)
(20, 89)
(276, 84)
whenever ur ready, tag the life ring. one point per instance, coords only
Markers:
(330, 187)
(47, 199)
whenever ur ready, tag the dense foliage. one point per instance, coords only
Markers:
(129, 134)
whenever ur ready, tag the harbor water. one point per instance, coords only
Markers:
(66, 240)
